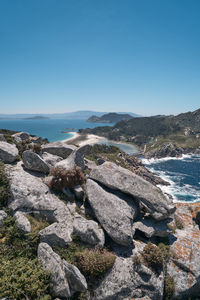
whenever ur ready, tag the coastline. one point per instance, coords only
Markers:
(82, 140)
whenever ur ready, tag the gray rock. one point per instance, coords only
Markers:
(22, 135)
(30, 194)
(2, 138)
(3, 216)
(78, 191)
(66, 278)
(115, 212)
(88, 231)
(58, 148)
(76, 158)
(57, 234)
(151, 227)
(126, 281)
(53, 263)
(51, 159)
(76, 280)
(150, 196)
(23, 223)
(32, 161)
(8, 152)
(184, 264)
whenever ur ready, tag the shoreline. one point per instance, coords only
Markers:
(82, 140)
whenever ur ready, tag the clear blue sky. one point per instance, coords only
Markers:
(107, 55)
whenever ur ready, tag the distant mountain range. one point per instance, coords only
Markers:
(81, 114)
(109, 118)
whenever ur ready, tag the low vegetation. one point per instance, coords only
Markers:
(66, 178)
(95, 262)
(92, 262)
(178, 222)
(169, 287)
(21, 276)
(151, 257)
(4, 186)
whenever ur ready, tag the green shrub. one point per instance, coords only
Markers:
(37, 148)
(66, 178)
(178, 222)
(164, 250)
(152, 257)
(4, 186)
(9, 138)
(22, 278)
(75, 248)
(95, 262)
(168, 287)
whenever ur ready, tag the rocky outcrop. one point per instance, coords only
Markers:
(23, 223)
(151, 227)
(51, 159)
(8, 152)
(58, 148)
(76, 158)
(114, 211)
(184, 264)
(32, 161)
(66, 279)
(166, 150)
(30, 194)
(22, 135)
(3, 216)
(88, 231)
(151, 197)
(57, 234)
(126, 281)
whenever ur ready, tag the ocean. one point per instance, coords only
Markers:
(49, 128)
(182, 174)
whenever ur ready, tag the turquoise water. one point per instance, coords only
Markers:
(50, 128)
(129, 149)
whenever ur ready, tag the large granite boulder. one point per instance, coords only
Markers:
(114, 211)
(150, 196)
(58, 148)
(76, 158)
(51, 159)
(8, 152)
(52, 262)
(23, 136)
(126, 281)
(151, 227)
(66, 279)
(56, 234)
(184, 264)
(30, 194)
(88, 231)
(32, 161)
(23, 223)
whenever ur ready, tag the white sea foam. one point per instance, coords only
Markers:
(179, 193)
(150, 161)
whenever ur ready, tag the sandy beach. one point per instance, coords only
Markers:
(82, 140)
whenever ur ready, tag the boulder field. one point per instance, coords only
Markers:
(115, 209)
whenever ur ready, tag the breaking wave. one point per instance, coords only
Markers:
(182, 173)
